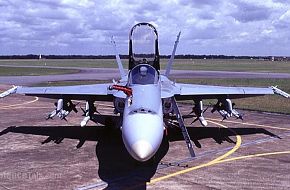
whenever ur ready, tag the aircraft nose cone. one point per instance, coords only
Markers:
(143, 150)
(142, 135)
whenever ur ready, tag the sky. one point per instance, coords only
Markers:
(228, 27)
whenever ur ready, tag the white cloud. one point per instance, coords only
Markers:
(237, 27)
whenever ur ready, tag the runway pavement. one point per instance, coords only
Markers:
(257, 161)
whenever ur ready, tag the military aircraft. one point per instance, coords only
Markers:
(144, 97)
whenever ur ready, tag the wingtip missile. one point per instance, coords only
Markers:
(8, 92)
(280, 92)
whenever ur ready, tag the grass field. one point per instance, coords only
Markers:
(183, 64)
(232, 65)
(25, 71)
(92, 63)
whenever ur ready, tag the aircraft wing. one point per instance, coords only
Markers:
(191, 91)
(97, 92)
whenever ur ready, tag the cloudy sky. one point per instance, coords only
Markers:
(229, 27)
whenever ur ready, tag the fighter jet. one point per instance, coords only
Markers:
(144, 97)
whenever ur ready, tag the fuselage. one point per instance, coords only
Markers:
(142, 128)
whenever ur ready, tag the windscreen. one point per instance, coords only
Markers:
(143, 42)
(143, 74)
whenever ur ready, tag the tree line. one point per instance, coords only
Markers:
(182, 56)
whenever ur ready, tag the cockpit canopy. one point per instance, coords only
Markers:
(143, 46)
(143, 74)
(143, 39)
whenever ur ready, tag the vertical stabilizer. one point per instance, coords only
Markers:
(119, 62)
(170, 62)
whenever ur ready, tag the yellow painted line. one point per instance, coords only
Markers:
(251, 124)
(235, 148)
(24, 103)
(253, 156)
(222, 159)
(226, 160)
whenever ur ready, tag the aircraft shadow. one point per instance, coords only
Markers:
(220, 135)
(116, 166)
(119, 169)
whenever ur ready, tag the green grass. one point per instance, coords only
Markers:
(182, 64)
(91, 63)
(25, 71)
(231, 65)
